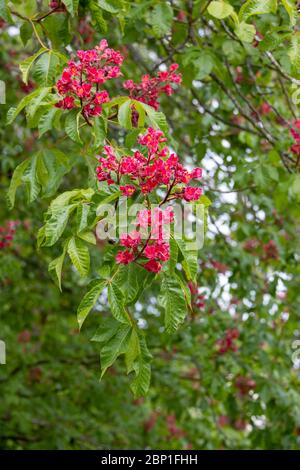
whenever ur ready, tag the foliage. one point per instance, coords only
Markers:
(217, 327)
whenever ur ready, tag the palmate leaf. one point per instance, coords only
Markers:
(79, 255)
(89, 300)
(173, 299)
(42, 174)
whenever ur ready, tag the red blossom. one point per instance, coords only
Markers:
(149, 89)
(80, 81)
(149, 246)
(7, 233)
(124, 257)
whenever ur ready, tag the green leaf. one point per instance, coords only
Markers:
(46, 121)
(220, 10)
(57, 223)
(34, 104)
(156, 119)
(161, 18)
(30, 178)
(124, 114)
(173, 255)
(174, 303)
(107, 329)
(99, 129)
(88, 236)
(72, 6)
(257, 7)
(133, 351)
(57, 29)
(45, 68)
(291, 10)
(97, 16)
(294, 52)
(116, 302)
(132, 280)
(72, 125)
(245, 32)
(116, 346)
(4, 11)
(55, 165)
(55, 267)
(190, 260)
(141, 112)
(107, 6)
(26, 64)
(25, 32)
(140, 384)
(16, 181)
(89, 300)
(131, 138)
(203, 64)
(14, 112)
(80, 256)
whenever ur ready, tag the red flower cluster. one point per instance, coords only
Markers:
(80, 81)
(150, 88)
(244, 384)
(270, 251)
(228, 342)
(7, 233)
(266, 251)
(147, 246)
(294, 133)
(174, 430)
(147, 171)
(158, 167)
